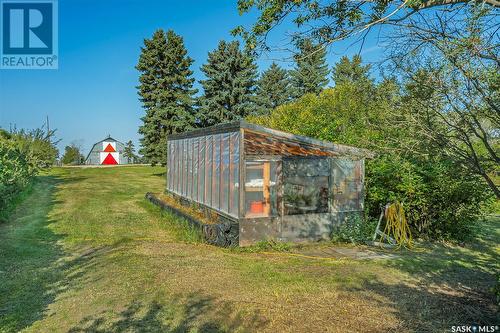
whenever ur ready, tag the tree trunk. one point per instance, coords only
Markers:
(492, 185)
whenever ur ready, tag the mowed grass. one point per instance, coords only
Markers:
(85, 252)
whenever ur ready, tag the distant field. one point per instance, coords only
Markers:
(85, 252)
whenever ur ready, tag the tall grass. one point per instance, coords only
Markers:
(178, 227)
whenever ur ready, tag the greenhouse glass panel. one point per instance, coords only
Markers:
(201, 171)
(196, 156)
(174, 167)
(305, 186)
(217, 172)
(169, 166)
(189, 169)
(173, 164)
(185, 151)
(224, 182)
(347, 185)
(235, 175)
(209, 170)
(179, 167)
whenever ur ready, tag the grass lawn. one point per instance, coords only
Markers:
(85, 252)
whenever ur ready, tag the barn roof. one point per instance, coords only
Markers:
(234, 126)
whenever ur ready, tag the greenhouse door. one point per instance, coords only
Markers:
(260, 189)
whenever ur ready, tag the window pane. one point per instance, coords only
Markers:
(305, 186)
(347, 185)
(305, 195)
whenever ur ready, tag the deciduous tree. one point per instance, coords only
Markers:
(72, 155)
(451, 70)
(334, 20)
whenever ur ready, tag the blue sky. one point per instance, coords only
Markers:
(93, 93)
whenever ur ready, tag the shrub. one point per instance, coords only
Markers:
(354, 230)
(72, 155)
(15, 174)
(36, 145)
(22, 155)
(442, 199)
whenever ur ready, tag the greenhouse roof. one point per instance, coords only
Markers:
(241, 124)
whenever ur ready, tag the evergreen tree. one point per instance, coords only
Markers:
(351, 71)
(166, 91)
(129, 152)
(273, 88)
(311, 70)
(229, 87)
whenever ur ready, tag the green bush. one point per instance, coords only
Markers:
(36, 145)
(22, 155)
(354, 230)
(442, 199)
(15, 174)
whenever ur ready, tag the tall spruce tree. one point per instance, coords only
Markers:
(273, 88)
(230, 85)
(129, 152)
(166, 91)
(351, 71)
(310, 74)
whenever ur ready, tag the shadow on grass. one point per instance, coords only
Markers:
(33, 267)
(182, 314)
(160, 174)
(430, 308)
(450, 285)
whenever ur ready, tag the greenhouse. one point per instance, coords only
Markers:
(269, 184)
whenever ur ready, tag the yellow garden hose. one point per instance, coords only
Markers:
(396, 225)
